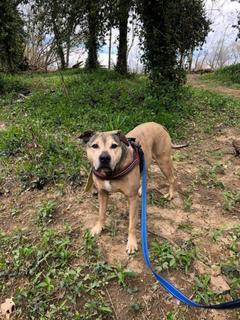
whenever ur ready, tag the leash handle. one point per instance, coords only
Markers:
(167, 285)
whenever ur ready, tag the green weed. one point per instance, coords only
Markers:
(218, 154)
(158, 200)
(187, 227)
(187, 202)
(180, 156)
(170, 316)
(13, 141)
(208, 176)
(167, 256)
(95, 308)
(216, 234)
(122, 274)
(46, 211)
(90, 246)
(202, 289)
(230, 200)
(136, 307)
(11, 83)
(186, 254)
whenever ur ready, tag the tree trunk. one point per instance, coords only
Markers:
(92, 41)
(181, 61)
(123, 29)
(60, 52)
(61, 56)
(190, 60)
(68, 51)
(110, 48)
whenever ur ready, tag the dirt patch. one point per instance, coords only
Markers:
(195, 81)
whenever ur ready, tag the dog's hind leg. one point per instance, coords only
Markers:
(166, 166)
(103, 200)
(140, 189)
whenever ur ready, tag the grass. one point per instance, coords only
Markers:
(41, 132)
(61, 273)
(228, 76)
(12, 84)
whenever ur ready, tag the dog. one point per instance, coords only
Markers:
(110, 152)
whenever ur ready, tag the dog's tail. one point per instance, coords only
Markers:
(179, 146)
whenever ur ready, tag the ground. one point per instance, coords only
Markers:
(194, 241)
(206, 83)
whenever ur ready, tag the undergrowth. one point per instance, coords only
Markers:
(228, 76)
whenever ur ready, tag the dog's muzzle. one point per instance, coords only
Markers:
(104, 160)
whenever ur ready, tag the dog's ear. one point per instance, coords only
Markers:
(122, 138)
(86, 136)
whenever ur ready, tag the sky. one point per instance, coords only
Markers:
(223, 14)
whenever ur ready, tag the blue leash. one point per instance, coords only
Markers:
(165, 283)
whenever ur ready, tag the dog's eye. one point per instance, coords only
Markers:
(114, 146)
(95, 146)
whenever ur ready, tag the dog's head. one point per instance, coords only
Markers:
(105, 150)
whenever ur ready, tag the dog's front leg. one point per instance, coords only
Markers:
(103, 200)
(133, 210)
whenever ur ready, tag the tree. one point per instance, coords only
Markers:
(123, 14)
(92, 38)
(237, 26)
(11, 35)
(97, 23)
(60, 20)
(40, 49)
(170, 30)
(193, 27)
(116, 13)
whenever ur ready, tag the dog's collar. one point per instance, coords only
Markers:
(119, 174)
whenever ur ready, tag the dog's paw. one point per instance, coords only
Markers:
(96, 229)
(140, 192)
(132, 245)
(168, 196)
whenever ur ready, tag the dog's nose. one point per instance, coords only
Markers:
(105, 158)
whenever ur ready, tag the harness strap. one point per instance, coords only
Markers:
(164, 282)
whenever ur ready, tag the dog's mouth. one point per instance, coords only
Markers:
(105, 169)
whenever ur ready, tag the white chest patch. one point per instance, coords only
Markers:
(107, 185)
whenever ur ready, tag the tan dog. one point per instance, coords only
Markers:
(110, 152)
